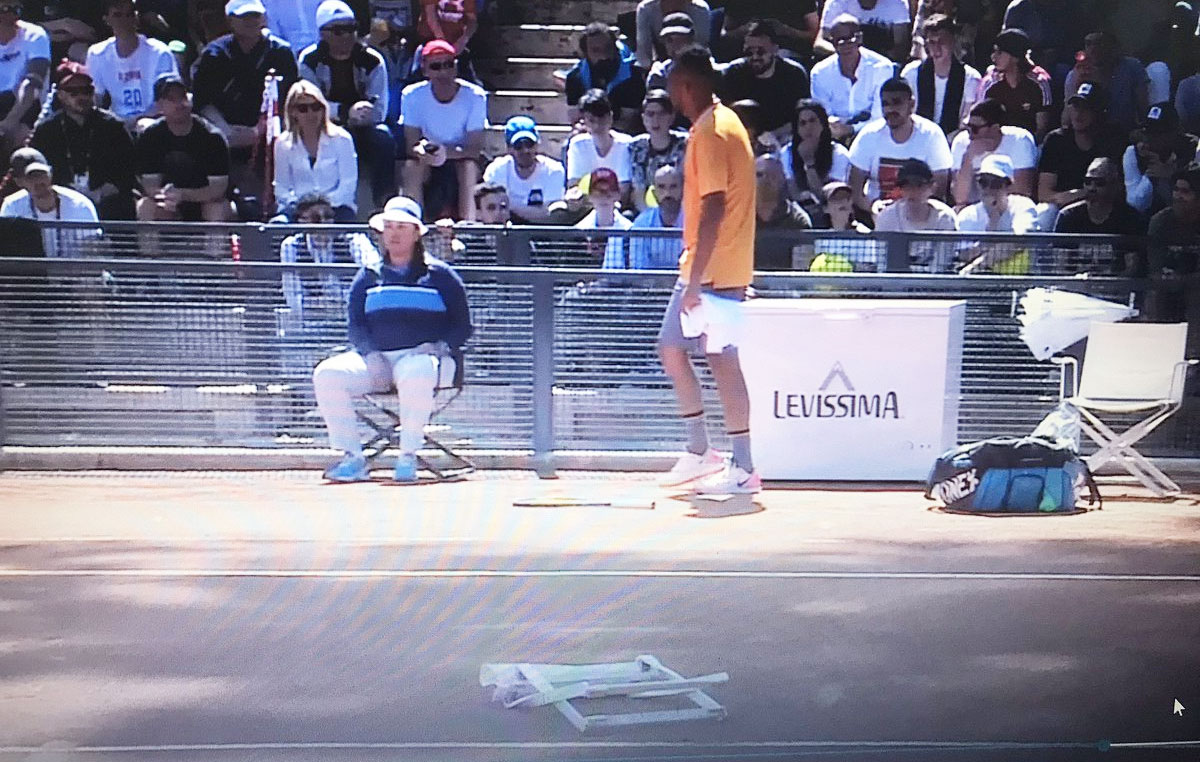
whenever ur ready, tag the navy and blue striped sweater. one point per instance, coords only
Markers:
(391, 309)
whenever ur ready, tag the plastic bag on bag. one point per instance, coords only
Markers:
(1061, 425)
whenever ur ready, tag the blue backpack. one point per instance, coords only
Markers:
(1011, 475)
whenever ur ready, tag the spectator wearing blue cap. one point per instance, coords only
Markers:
(354, 79)
(533, 181)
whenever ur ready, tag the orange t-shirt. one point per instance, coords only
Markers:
(719, 159)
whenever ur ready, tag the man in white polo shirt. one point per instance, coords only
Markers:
(847, 84)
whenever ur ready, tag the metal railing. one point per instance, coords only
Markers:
(113, 349)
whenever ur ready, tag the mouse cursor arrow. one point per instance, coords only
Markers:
(1178, 708)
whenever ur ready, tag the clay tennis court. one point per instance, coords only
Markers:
(264, 616)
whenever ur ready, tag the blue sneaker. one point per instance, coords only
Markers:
(351, 468)
(406, 468)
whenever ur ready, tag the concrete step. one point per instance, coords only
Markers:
(570, 11)
(520, 73)
(554, 137)
(539, 40)
(545, 106)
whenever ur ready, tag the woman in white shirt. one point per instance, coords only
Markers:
(314, 155)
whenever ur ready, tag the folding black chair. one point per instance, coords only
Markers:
(384, 422)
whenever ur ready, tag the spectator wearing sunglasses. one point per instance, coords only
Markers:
(354, 80)
(848, 83)
(444, 121)
(24, 67)
(228, 81)
(314, 155)
(1103, 210)
(306, 291)
(886, 25)
(126, 65)
(88, 148)
(999, 211)
(986, 134)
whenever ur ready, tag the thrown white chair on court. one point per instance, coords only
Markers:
(1129, 369)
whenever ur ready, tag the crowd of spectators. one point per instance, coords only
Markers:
(926, 115)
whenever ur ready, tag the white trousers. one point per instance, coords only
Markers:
(341, 378)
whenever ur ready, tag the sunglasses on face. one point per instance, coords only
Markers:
(848, 40)
(992, 183)
(1099, 182)
(340, 29)
(441, 65)
(79, 90)
(307, 108)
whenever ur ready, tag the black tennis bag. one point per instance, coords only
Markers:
(1011, 475)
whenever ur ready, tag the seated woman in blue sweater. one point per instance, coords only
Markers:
(405, 316)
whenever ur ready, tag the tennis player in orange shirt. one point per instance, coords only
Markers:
(714, 272)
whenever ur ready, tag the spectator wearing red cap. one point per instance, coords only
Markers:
(24, 68)
(125, 66)
(88, 148)
(444, 121)
(604, 194)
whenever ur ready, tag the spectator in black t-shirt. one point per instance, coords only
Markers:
(1173, 249)
(764, 76)
(1102, 211)
(606, 63)
(775, 211)
(1068, 151)
(88, 148)
(183, 161)
(796, 25)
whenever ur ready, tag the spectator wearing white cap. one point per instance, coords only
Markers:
(406, 314)
(533, 181)
(999, 210)
(444, 121)
(40, 199)
(987, 134)
(228, 81)
(126, 65)
(354, 80)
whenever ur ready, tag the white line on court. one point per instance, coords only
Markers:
(583, 745)
(590, 573)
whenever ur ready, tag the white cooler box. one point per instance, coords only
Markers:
(853, 389)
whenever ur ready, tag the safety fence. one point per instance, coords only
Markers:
(192, 348)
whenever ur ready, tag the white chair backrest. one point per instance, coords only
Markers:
(1132, 361)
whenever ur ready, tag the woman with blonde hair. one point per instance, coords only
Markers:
(314, 155)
